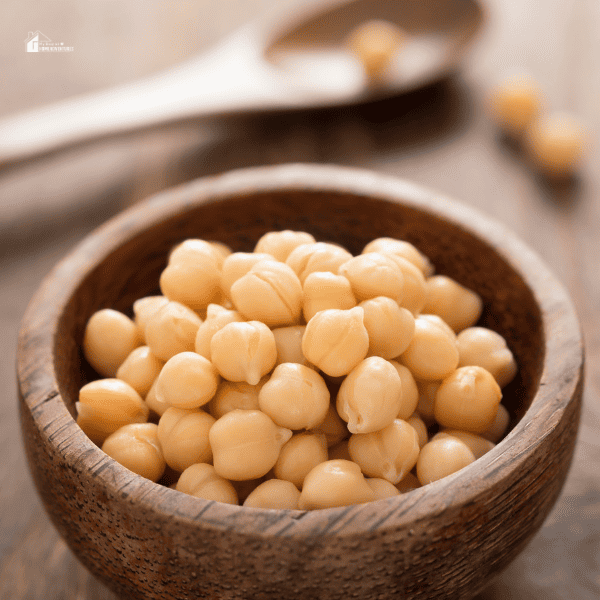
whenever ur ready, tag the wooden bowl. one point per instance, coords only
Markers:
(444, 540)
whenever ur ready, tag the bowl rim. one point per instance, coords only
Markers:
(39, 389)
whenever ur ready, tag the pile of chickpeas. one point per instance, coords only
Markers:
(297, 376)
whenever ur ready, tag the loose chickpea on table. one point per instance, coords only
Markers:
(297, 376)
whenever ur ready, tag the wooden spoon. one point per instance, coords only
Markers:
(280, 62)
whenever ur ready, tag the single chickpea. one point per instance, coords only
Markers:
(109, 338)
(336, 340)
(414, 290)
(299, 456)
(171, 330)
(318, 257)
(140, 369)
(556, 143)
(270, 292)
(403, 249)
(325, 290)
(305, 393)
(144, 308)
(193, 251)
(235, 394)
(334, 483)
(372, 275)
(390, 327)
(136, 447)
(187, 380)
(515, 103)
(246, 444)
(289, 345)
(442, 457)
(458, 306)
(280, 244)
(157, 407)
(202, 481)
(477, 444)
(183, 436)
(274, 493)
(495, 432)
(389, 453)
(432, 353)
(371, 395)
(426, 403)
(106, 405)
(481, 347)
(409, 483)
(216, 318)
(244, 351)
(468, 400)
(340, 451)
(333, 427)
(382, 488)
(419, 426)
(410, 391)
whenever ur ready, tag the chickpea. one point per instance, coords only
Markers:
(419, 426)
(183, 436)
(481, 347)
(442, 457)
(202, 481)
(270, 292)
(458, 306)
(299, 455)
(156, 406)
(371, 395)
(136, 447)
(340, 451)
(432, 353)
(289, 345)
(244, 351)
(334, 483)
(171, 330)
(477, 444)
(144, 308)
(495, 432)
(110, 336)
(336, 340)
(281, 243)
(409, 483)
(410, 391)
(274, 493)
(414, 289)
(140, 369)
(333, 427)
(403, 249)
(235, 394)
(237, 265)
(372, 275)
(389, 453)
(390, 327)
(187, 380)
(325, 290)
(246, 444)
(106, 405)
(192, 251)
(216, 318)
(382, 488)
(321, 256)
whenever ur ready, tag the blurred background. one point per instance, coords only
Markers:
(439, 136)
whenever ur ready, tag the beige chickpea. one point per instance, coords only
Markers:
(408, 483)
(216, 318)
(246, 444)
(295, 397)
(140, 369)
(410, 391)
(289, 345)
(109, 338)
(495, 432)
(477, 444)
(432, 353)
(402, 248)
(157, 407)
(281, 243)
(196, 251)
(299, 456)
(202, 481)
(137, 448)
(171, 330)
(187, 380)
(426, 402)
(485, 348)
(274, 493)
(270, 292)
(458, 306)
(390, 327)
(333, 427)
(106, 405)
(325, 290)
(442, 457)
(371, 395)
(389, 453)
(144, 308)
(318, 257)
(468, 400)
(183, 436)
(336, 340)
(235, 394)
(382, 488)
(237, 265)
(417, 423)
(334, 483)
(244, 351)
(340, 451)
(414, 290)
(372, 275)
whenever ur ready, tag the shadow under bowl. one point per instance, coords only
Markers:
(444, 540)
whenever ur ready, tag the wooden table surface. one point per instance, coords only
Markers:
(439, 137)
